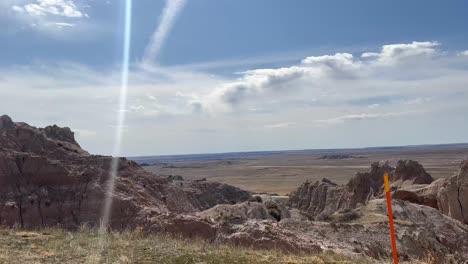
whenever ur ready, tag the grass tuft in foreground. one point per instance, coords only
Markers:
(86, 246)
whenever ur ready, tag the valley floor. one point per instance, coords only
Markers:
(281, 173)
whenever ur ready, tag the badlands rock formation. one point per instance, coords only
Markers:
(321, 199)
(47, 179)
(448, 195)
(421, 231)
(452, 198)
(409, 182)
(410, 172)
(429, 215)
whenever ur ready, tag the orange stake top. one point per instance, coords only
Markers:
(390, 218)
(387, 185)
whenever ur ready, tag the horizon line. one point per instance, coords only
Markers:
(298, 150)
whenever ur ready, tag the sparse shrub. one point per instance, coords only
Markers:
(256, 199)
(342, 217)
(273, 210)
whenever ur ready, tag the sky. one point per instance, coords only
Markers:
(223, 76)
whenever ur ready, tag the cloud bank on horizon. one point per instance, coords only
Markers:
(396, 94)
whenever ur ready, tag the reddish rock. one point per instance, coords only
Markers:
(46, 179)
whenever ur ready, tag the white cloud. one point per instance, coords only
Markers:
(137, 108)
(65, 8)
(332, 77)
(63, 24)
(417, 101)
(60, 19)
(464, 53)
(357, 117)
(165, 105)
(394, 53)
(152, 98)
(281, 125)
(259, 82)
(370, 55)
(18, 9)
(339, 61)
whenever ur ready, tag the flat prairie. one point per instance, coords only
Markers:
(281, 172)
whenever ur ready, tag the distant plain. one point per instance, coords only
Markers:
(281, 172)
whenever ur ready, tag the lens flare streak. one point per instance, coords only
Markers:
(120, 119)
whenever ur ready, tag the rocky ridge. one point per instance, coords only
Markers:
(47, 179)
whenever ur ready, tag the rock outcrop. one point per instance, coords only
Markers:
(321, 199)
(420, 231)
(267, 209)
(420, 194)
(409, 181)
(238, 213)
(47, 179)
(448, 195)
(410, 172)
(453, 195)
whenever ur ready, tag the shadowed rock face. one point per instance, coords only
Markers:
(318, 199)
(322, 199)
(412, 171)
(47, 179)
(367, 185)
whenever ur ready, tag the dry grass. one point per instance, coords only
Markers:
(86, 246)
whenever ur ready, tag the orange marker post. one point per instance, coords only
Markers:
(390, 218)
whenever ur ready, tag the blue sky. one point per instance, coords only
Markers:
(222, 30)
(239, 75)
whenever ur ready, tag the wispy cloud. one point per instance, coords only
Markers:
(63, 24)
(358, 117)
(464, 53)
(281, 125)
(54, 17)
(417, 101)
(168, 18)
(65, 8)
